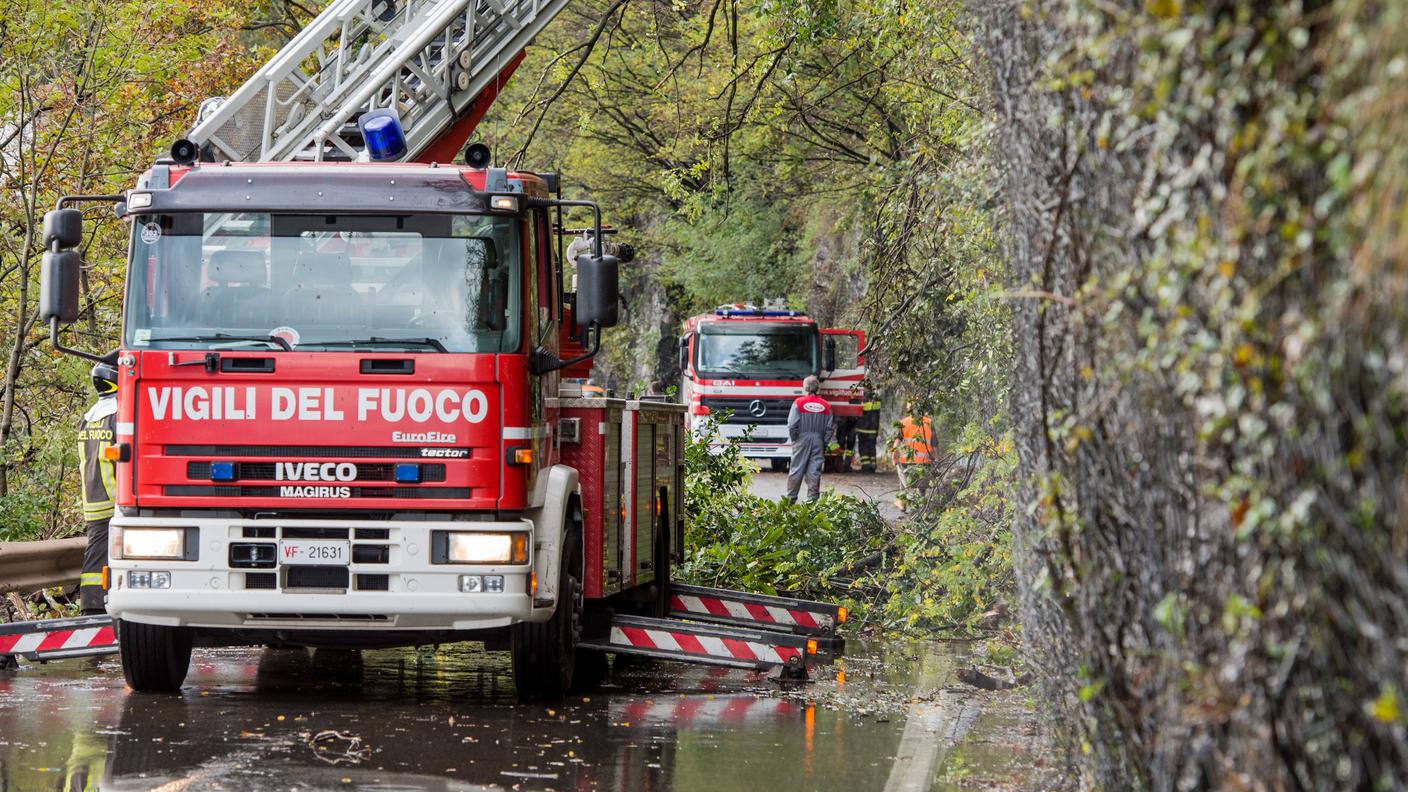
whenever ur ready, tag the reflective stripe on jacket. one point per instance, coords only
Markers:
(916, 441)
(869, 418)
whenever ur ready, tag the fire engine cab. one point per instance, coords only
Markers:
(346, 411)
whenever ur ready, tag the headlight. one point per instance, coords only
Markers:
(154, 543)
(487, 548)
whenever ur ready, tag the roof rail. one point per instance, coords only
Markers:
(731, 312)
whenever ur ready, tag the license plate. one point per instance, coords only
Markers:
(315, 552)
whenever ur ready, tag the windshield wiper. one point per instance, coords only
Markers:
(380, 341)
(269, 339)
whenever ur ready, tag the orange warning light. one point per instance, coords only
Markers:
(811, 646)
(840, 615)
(532, 584)
(522, 456)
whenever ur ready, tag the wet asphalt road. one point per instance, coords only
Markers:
(884, 718)
(881, 487)
(448, 720)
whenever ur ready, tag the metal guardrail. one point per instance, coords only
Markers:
(29, 566)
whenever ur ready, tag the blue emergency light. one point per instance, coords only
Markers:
(381, 131)
(407, 473)
(753, 312)
(222, 471)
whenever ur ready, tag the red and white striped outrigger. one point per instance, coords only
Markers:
(717, 627)
(734, 629)
(56, 639)
(756, 610)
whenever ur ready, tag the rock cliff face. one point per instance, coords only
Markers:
(642, 348)
(1205, 237)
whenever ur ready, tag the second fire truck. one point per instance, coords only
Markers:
(747, 364)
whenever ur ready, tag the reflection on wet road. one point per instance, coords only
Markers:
(266, 719)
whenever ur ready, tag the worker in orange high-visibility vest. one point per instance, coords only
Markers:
(913, 454)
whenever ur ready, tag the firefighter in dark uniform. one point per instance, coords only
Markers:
(96, 434)
(868, 431)
(840, 448)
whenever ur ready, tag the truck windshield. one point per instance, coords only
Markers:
(325, 282)
(779, 351)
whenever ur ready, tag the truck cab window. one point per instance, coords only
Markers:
(322, 282)
(777, 351)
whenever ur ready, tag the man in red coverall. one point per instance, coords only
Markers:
(809, 427)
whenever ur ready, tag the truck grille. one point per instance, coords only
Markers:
(204, 491)
(328, 452)
(307, 532)
(312, 532)
(373, 582)
(319, 577)
(317, 617)
(745, 410)
(264, 471)
(261, 580)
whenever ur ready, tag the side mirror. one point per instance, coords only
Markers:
(64, 226)
(598, 290)
(58, 284)
(829, 355)
(684, 353)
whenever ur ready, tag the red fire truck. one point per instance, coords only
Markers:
(750, 363)
(346, 412)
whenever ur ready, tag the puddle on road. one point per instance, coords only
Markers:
(448, 720)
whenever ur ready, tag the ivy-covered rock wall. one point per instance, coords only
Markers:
(1204, 211)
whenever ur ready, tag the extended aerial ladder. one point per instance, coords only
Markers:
(438, 64)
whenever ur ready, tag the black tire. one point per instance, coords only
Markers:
(337, 666)
(662, 557)
(545, 653)
(592, 669)
(779, 464)
(155, 659)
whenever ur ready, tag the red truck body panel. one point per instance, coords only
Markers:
(629, 457)
(316, 408)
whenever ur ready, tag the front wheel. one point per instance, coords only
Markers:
(154, 658)
(545, 653)
(662, 555)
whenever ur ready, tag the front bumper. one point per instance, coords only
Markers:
(419, 595)
(764, 442)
